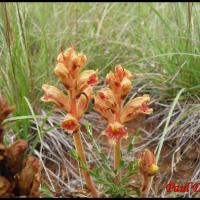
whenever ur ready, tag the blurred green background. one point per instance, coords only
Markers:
(158, 41)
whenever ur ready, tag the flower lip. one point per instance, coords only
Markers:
(115, 132)
(46, 98)
(102, 95)
(70, 124)
(92, 79)
(144, 106)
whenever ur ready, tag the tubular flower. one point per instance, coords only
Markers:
(134, 107)
(105, 99)
(83, 101)
(73, 62)
(147, 163)
(120, 80)
(87, 77)
(115, 132)
(52, 94)
(126, 86)
(107, 114)
(63, 75)
(70, 124)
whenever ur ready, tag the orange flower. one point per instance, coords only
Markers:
(105, 99)
(134, 107)
(120, 80)
(126, 86)
(147, 163)
(52, 94)
(87, 77)
(63, 74)
(73, 62)
(70, 124)
(115, 132)
(121, 73)
(105, 113)
(83, 101)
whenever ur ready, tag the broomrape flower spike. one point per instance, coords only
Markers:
(148, 168)
(109, 102)
(79, 86)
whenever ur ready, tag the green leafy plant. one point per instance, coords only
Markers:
(106, 176)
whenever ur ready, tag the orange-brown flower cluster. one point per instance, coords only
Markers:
(78, 84)
(17, 178)
(109, 102)
(147, 163)
(13, 175)
(5, 109)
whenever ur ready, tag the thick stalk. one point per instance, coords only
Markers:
(80, 151)
(117, 154)
(146, 186)
(117, 147)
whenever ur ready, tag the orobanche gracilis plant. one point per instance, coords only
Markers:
(148, 168)
(108, 101)
(78, 84)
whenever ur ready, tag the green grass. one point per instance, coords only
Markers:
(150, 38)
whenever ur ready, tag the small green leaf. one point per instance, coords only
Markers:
(133, 166)
(74, 154)
(133, 140)
(95, 172)
(130, 147)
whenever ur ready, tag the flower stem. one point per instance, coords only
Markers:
(80, 151)
(117, 147)
(117, 154)
(146, 186)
